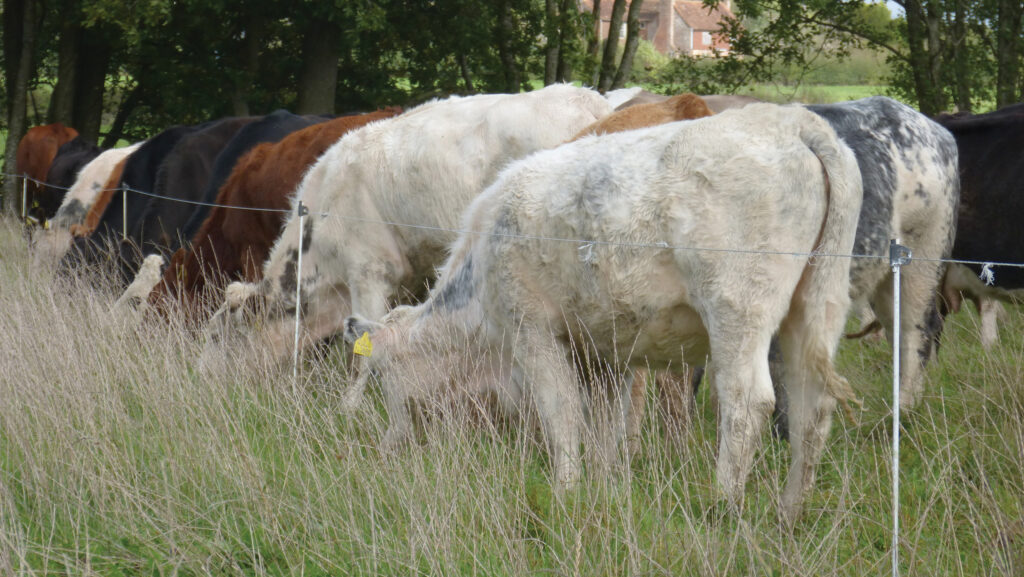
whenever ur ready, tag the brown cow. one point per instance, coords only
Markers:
(232, 244)
(679, 107)
(36, 152)
(99, 206)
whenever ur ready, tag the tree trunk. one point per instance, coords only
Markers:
(62, 102)
(553, 38)
(318, 81)
(18, 94)
(1007, 51)
(248, 67)
(92, 77)
(565, 38)
(632, 41)
(594, 44)
(123, 112)
(928, 93)
(961, 57)
(506, 27)
(611, 47)
(467, 76)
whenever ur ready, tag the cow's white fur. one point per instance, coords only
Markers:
(52, 243)
(135, 299)
(511, 303)
(420, 168)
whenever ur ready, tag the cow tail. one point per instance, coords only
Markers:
(826, 278)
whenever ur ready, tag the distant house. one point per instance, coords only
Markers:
(674, 27)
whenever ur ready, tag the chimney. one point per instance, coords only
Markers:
(664, 40)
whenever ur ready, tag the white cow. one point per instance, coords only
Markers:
(51, 244)
(421, 168)
(760, 188)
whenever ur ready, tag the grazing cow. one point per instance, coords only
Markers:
(679, 107)
(271, 128)
(92, 179)
(659, 213)
(991, 173)
(182, 176)
(908, 165)
(71, 158)
(232, 244)
(123, 208)
(100, 202)
(420, 168)
(35, 153)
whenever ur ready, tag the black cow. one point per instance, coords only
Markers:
(991, 148)
(63, 172)
(270, 128)
(140, 174)
(183, 175)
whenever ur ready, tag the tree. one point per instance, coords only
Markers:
(21, 23)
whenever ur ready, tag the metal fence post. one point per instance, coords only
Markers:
(24, 197)
(898, 255)
(124, 213)
(301, 211)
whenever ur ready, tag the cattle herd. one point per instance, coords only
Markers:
(484, 245)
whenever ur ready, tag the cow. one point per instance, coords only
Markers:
(123, 208)
(51, 243)
(422, 167)
(715, 102)
(687, 238)
(35, 153)
(183, 176)
(990, 198)
(100, 202)
(71, 157)
(232, 244)
(679, 107)
(677, 405)
(271, 128)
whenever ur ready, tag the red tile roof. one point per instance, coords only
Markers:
(699, 17)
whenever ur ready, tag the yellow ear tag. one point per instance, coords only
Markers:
(46, 225)
(363, 346)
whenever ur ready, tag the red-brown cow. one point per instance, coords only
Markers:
(36, 152)
(232, 244)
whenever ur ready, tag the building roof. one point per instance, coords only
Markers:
(699, 17)
(695, 14)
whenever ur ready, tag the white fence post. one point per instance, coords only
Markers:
(302, 212)
(24, 197)
(898, 255)
(124, 213)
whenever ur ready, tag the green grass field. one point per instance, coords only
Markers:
(119, 455)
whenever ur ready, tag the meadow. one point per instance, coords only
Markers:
(120, 455)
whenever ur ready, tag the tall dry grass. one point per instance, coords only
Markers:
(118, 456)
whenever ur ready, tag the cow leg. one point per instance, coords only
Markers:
(638, 409)
(807, 339)
(745, 400)
(989, 310)
(400, 420)
(676, 396)
(552, 383)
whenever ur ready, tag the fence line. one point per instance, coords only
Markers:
(987, 273)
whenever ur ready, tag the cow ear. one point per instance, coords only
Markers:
(356, 326)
